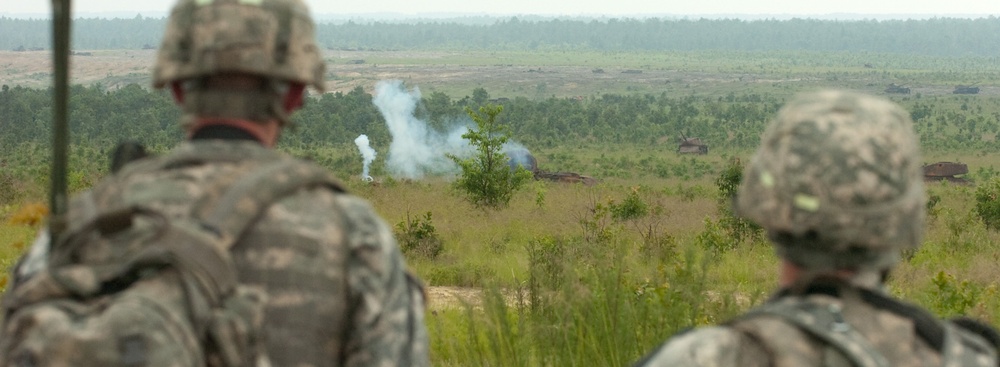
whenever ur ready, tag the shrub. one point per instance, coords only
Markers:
(487, 179)
(739, 229)
(631, 207)
(953, 297)
(987, 203)
(417, 236)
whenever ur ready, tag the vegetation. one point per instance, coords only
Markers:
(569, 274)
(988, 203)
(488, 180)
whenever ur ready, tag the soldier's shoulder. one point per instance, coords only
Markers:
(714, 346)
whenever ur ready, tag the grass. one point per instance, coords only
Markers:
(580, 286)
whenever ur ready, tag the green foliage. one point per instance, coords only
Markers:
(487, 179)
(988, 203)
(932, 205)
(418, 237)
(463, 274)
(729, 181)
(597, 224)
(577, 312)
(714, 238)
(631, 207)
(539, 195)
(739, 229)
(952, 297)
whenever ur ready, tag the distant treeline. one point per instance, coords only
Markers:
(102, 117)
(936, 37)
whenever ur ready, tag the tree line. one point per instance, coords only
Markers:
(101, 117)
(935, 36)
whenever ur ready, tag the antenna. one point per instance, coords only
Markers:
(58, 200)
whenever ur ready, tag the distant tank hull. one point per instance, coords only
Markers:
(946, 171)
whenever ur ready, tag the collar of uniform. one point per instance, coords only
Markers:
(215, 150)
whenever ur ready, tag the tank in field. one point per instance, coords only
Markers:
(946, 171)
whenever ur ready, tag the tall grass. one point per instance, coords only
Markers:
(575, 275)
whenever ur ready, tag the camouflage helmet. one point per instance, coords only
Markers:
(270, 38)
(837, 182)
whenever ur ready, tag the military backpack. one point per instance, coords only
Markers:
(132, 286)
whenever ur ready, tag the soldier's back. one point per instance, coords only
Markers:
(837, 328)
(338, 292)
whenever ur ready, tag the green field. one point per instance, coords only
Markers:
(597, 275)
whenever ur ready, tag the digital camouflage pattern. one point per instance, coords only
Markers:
(842, 171)
(337, 291)
(830, 331)
(271, 38)
(837, 184)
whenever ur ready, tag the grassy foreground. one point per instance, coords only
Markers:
(599, 275)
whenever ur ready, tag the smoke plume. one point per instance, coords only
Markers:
(417, 150)
(367, 153)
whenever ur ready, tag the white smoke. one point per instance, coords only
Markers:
(416, 150)
(367, 153)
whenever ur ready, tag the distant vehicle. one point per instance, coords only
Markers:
(965, 89)
(946, 171)
(692, 146)
(522, 157)
(897, 89)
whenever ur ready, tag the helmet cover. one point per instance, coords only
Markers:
(270, 38)
(837, 181)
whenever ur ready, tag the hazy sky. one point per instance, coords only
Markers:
(560, 7)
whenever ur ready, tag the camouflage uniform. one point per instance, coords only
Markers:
(337, 289)
(837, 185)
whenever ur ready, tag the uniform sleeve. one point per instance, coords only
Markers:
(706, 347)
(387, 303)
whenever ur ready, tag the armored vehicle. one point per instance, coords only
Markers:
(965, 89)
(947, 171)
(897, 89)
(692, 146)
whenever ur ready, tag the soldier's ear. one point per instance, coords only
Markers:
(294, 97)
(177, 90)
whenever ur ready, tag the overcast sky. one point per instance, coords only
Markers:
(559, 7)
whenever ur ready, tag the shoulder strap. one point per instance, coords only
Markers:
(247, 199)
(826, 324)
(239, 206)
(977, 339)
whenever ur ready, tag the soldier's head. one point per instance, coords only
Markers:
(837, 183)
(239, 59)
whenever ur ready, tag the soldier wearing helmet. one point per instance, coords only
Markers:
(338, 292)
(837, 185)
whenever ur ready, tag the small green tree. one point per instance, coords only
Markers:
(487, 178)
(739, 229)
(988, 203)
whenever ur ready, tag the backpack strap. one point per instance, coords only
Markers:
(238, 207)
(827, 324)
(250, 196)
(977, 336)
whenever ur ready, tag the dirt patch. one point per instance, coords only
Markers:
(347, 70)
(447, 297)
(458, 75)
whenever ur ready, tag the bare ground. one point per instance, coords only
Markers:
(429, 71)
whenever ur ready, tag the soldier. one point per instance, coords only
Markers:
(338, 291)
(837, 185)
